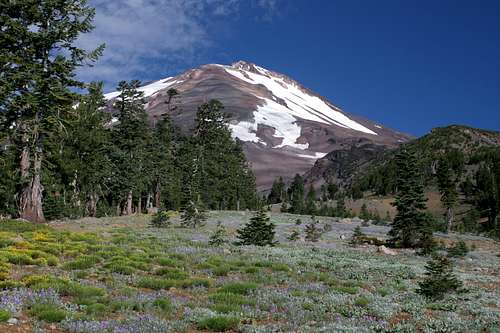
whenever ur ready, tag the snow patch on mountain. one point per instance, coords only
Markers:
(149, 89)
(298, 103)
(316, 155)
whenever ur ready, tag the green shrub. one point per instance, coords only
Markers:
(242, 288)
(362, 302)
(459, 249)
(172, 273)
(221, 270)
(346, 290)
(48, 312)
(161, 219)
(156, 283)
(164, 304)
(96, 310)
(83, 262)
(218, 323)
(4, 316)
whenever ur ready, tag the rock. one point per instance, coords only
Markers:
(384, 250)
(226, 251)
(342, 236)
(13, 321)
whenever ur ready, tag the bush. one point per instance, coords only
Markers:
(218, 323)
(48, 312)
(259, 231)
(357, 237)
(164, 304)
(313, 233)
(161, 219)
(84, 262)
(362, 302)
(218, 238)
(242, 288)
(4, 316)
(459, 249)
(172, 273)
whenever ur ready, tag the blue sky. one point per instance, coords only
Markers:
(411, 65)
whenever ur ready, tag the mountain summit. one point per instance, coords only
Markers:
(284, 126)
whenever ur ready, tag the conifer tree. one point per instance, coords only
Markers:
(341, 210)
(193, 215)
(132, 137)
(310, 204)
(357, 236)
(313, 233)
(218, 238)
(447, 187)
(439, 278)
(160, 219)
(364, 214)
(296, 195)
(410, 227)
(86, 150)
(277, 191)
(259, 231)
(38, 59)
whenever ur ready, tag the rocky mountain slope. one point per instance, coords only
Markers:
(284, 126)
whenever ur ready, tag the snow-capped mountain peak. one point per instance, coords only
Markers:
(284, 126)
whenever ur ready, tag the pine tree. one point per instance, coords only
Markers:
(277, 191)
(310, 204)
(341, 210)
(86, 149)
(447, 187)
(259, 231)
(38, 59)
(296, 195)
(218, 238)
(364, 214)
(439, 278)
(160, 219)
(313, 233)
(357, 236)
(132, 137)
(193, 215)
(459, 249)
(410, 227)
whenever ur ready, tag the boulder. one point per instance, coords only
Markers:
(385, 250)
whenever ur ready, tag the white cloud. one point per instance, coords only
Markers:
(148, 38)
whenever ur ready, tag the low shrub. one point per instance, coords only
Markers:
(48, 312)
(218, 323)
(242, 288)
(4, 316)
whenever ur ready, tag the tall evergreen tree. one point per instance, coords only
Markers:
(87, 148)
(38, 59)
(448, 189)
(296, 195)
(410, 226)
(310, 202)
(132, 136)
(277, 191)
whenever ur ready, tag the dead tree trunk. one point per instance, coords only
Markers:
(91, 206)
(139, 205)
(157, 195)
(30, 199)
(128, 210)
(449, 219)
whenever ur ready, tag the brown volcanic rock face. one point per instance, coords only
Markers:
(284, 127)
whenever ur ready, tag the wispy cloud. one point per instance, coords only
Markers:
(153, 36)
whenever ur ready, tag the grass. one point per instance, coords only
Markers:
(4, 316)
(120, 272)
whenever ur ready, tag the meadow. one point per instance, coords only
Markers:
(121, 275)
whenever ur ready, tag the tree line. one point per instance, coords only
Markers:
(63, 156)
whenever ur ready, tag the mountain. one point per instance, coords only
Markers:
(369, 167)
(284, 127)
